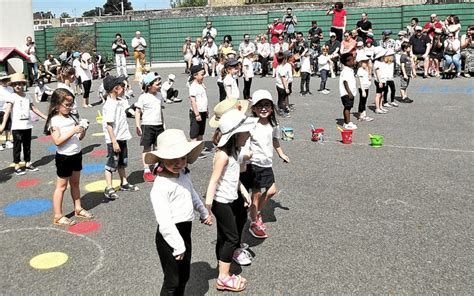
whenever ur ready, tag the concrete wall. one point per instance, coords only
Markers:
(16, 22)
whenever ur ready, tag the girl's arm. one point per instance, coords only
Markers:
(138, 115)
(59, 139)
(199, 206)
(245, 195)
(220, 161)
(279, 150)
(37, 111)
(228, 90)
(8, 109)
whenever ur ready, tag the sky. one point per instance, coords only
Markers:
(77, 7)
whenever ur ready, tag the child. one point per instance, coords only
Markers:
(5, 92)
(42, 92)
(231, 67)
(85, 68)
(407, 71)
(347, 88)
(66, 134)
(305, 73)
(379, 80)
(247, 64)
(387, 72)
(115, 127)
(220, 77)
(174, 198)
(234, 130)
(364, 85)
(259, 173)
(282, 85)
(199, 109)
(19, 105)
(151, 104)
(169, 94)
(324, 69)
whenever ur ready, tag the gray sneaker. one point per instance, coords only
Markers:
(110, 193)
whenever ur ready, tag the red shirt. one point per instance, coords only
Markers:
(276, 31)
(431, 32)
(338, 18)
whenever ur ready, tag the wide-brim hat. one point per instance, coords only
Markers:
(17, 77)
(389, 52)
(234, 122)
(4, 76)
(172, 144)
(379, 52)
(261, 94)
(227, 105)
(362, 57)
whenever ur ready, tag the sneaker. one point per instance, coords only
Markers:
(19, 172)
(244, 246)
(128, 187)
(326, 92)
(148, 176)
(242, 257)
(1, 148)
(286, 115)
(202, 155)
(366, 118)
(310, 93)
(8, 145)
(387, 105)
(384, 109)
(31, 168)
(467, 75)
(380, 111)
(349, 126)
(110, 193)
(394, 104)
(177, 100)
(257, 231)
(407, 100)
(260, 222)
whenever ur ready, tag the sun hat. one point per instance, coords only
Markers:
(261, 94)
(247, 52)
(196, 69)
(370, 34)
(361, 57)
(172, 144)
(360, 43)
(17, 77)
(110, 81)
(418, 28)
(231, 63)
(402, 33)
(149, 78)
(4, 76)
(379, 52)
(187, 39)
(234, 122)
(76, 54)
(332, 34)
(389, 52)
(171, 77)
(227, 105)
(433, 15)
(86, 56)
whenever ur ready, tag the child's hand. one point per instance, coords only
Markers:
(285, 158)
(405, 77)
(116, 147)
(78, 129)
(139, 131)
(363, 93)
(208, 221)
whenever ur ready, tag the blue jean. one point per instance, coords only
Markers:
(450, 59)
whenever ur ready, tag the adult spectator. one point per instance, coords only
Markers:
(51, 67)
(139, 46)
(263, 51)
(371, 36)
(467, 50)
(421, 46)
(369, 48)
(402, 38)
(31, 63)
(436, 53)
(452, 54)
(355, 36)
(432, 25)
(333, 46)
(364, 26)
(246, 46)
(209, 30)
(198, 52)
(281, 47)
(387, 41)
(120, 49)
(453, 25)
(315, 33)
(290, 21)
(348, 45)
(275, 30)
(187, 54)
(298, 45)
(226, 45)
(211, 53)
(339, 20)
(411, 27)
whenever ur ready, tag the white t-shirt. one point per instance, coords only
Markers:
(219, 68)
(226, 191)
(323, 62)
(65, 124)
(387, 71)
(347, 74)
(378, 65)
(363, 74)
(39, 91)
(261, 144)
(20, 112)
(84, 74)
(113, 112)
(174, 200)
(289, 70)
(305, 64)
(151, 107)
(281, 71)
(164, 89)
(230, 81)
(198, 91)
(247, 65)
(32, 53)
(5, 92)
(48, 63)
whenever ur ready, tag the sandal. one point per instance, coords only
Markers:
(83, 214)
(63, 221)
(234, 283)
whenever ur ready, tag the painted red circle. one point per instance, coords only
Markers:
(84, 227)
(100, 152)
(44, 139)
(27, 183)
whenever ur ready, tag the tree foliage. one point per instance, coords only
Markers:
(64, 15)
(93, 12)
(72, 39)
(189, 3)
(114, 7)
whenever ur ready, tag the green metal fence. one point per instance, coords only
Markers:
(165, 36)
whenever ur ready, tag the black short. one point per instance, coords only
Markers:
(197, 128)
(8, 125)
(66, 164)
(149, 134)
(256, 177)
(379, 90)
(116, 160)
(347, 102)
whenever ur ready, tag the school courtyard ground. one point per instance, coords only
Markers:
(348, 218)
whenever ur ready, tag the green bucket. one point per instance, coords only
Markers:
(376, 140)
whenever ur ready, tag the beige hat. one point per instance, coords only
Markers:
(172, 144)
(227, 105)
(17, 77)
(4, 76)
(234, 122)
(379, 52)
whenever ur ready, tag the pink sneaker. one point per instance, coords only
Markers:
(257, 231)
(260, 222)
(148, 176)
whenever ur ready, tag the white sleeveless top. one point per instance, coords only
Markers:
(226, 191)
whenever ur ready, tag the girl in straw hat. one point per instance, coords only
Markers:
(174, 198)
(234, 130)
(18, 106)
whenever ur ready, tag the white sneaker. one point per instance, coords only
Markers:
(325, 91)
(242, 257)
(384, 109)
(1, 147)
(9, 145)
(349, 126)
(380, 111)
(176, 100)
(394, 104)
(387, 105)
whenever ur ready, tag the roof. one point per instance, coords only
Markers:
(5, 52)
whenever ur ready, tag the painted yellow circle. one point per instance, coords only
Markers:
(99, 186)
(98, 134)
(48, 260)
(22, 163)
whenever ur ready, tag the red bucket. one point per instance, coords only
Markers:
(317, 135)
(346, 136)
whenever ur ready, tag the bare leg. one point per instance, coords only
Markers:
(58, 195)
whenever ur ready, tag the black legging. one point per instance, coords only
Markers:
(390, 84)
(21, 138)
(228, 238)
(87, 88)
(362, 100)
(264, 62)
(222, 93)
(324, 78)
(247, 85)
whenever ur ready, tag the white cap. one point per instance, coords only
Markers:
(360, 43)
(418, 28)
(171, 77)
(332, 34)
(261, 94)
(433, 15)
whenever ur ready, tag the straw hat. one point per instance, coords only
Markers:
(379, 52)
(234, 122)
(172, 144)
(17, 77)
(227, 105)
(4, 76)
(261, 94)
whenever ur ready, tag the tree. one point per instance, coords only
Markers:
(189, 3)
(64, 15)
(72, 39)
(115, 8)
(98, 11)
